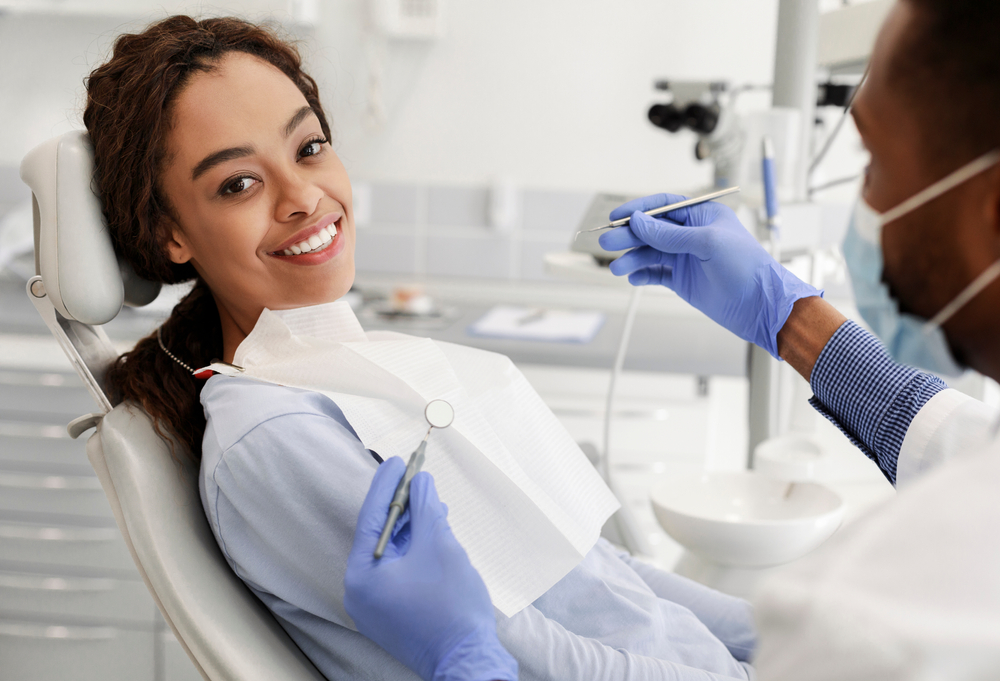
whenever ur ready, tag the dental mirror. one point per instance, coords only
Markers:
(439, 413)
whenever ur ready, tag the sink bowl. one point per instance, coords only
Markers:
(746, 519)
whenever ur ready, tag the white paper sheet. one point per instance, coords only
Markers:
(523, 499)
(526, 323)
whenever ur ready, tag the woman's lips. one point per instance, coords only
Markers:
(301, 240)
(329, 242)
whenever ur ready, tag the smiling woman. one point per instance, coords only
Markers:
(213, 158)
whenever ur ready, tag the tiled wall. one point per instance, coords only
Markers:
(446, 231)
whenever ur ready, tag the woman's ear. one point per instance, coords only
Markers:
(177, 244)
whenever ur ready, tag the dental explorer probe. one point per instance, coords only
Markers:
(665, 209)
(439, 414)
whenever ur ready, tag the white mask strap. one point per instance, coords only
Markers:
(966, 172)
(970, 292)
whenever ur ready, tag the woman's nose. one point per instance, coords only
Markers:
(296, 196)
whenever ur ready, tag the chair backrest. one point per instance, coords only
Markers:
(225, 629)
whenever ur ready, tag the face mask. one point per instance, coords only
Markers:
(910, 339)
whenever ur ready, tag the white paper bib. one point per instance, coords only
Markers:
(523, 499)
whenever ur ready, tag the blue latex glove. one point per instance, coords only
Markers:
(710, 260)
(423, 602)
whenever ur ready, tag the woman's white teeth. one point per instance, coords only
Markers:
(316, 242)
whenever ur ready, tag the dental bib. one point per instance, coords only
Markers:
(524, 501)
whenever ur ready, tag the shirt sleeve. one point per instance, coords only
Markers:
(545, 650)
(950, 426)
(729, 618)
(867, 395)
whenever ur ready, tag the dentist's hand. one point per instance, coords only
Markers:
(423, 602)
(710, 260)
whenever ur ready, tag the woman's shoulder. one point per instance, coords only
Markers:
(235, 407)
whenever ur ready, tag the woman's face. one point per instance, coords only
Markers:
(261, 201)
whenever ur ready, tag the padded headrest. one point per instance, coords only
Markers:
(73, 251)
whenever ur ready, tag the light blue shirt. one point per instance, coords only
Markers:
(283, 476)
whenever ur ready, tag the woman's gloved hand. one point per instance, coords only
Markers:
(710, 260)
(422, 601)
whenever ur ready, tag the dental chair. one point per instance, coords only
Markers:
(79, 285)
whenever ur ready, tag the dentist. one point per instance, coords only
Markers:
(912, 591)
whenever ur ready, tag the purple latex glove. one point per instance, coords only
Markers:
(709, 259)
(423, 602)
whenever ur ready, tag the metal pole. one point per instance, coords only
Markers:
(795, 87)
(795, 75)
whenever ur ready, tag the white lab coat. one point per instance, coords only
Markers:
(911, 591)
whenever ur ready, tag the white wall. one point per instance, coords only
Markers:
(547, 94)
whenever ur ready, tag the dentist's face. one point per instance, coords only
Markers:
(932, 253)
(260, 204)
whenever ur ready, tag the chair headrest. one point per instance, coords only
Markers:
(73, 251)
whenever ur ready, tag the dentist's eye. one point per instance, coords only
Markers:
(313, 147)
(239, 185)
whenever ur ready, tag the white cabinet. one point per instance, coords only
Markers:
(44, 652)
(72, 604)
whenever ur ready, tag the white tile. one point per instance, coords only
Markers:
(394, 204)
(456, 256)
(385, 250)
(458, 206)
(554, 211)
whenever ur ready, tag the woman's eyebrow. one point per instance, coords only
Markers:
(297, 118)
(218, 157)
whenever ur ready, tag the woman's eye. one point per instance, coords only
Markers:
(240, 184)
(312, 148)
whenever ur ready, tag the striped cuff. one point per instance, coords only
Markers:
(867, 395)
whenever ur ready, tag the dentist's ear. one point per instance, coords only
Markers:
(178, 247)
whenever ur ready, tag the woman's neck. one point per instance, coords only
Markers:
(232, 334)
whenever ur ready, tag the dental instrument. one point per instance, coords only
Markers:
(767, 172)
(439, 414)
(665, 209)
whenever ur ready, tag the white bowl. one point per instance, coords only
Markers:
(745, 519)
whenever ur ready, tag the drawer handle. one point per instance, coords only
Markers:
(29, 582)
(46, 631)
(66, 534)
(39, 482)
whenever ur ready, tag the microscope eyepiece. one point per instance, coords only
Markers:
(666, 116)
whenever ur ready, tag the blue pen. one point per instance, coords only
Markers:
(770, 189)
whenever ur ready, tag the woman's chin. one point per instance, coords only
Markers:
(319, 296)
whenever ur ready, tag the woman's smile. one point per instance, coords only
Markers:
(313, 245)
